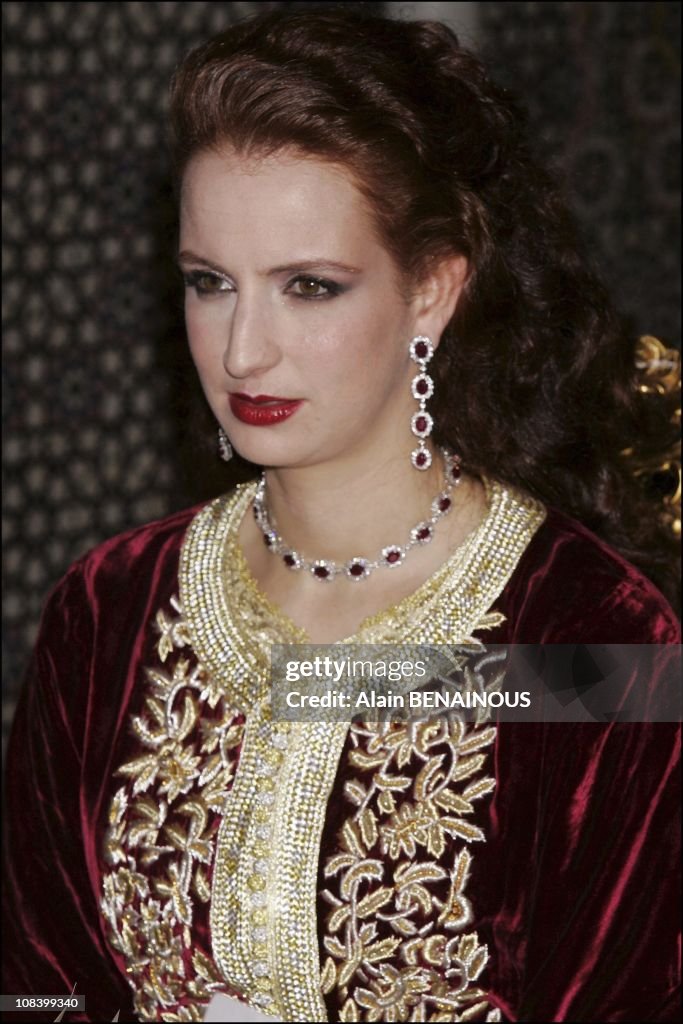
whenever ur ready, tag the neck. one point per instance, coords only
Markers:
(344, 510)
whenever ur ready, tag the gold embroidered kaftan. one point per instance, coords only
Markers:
(221, 813)
(165, 839)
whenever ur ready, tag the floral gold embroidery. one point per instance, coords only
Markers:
(399, 908)
(162, 830)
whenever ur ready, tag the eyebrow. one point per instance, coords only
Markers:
(298, 265)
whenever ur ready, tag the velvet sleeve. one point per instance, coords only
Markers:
(570, 587)
(586, 918)
(53, 937)
(585, 824)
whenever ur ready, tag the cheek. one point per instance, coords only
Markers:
(337, 362)
(354, 374)
(362, 343)
(369, 352)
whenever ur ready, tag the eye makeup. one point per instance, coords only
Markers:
(307, 287)
(194, 279)
(324, 288)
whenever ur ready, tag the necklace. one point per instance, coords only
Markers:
(358, 569)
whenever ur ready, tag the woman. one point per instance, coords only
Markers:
(388, 311)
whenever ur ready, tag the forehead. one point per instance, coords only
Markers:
(290, 195)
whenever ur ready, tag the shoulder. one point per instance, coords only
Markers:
(99, 619)
(121, 568)
(570, 586)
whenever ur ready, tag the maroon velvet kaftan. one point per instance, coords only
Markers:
(560, 904)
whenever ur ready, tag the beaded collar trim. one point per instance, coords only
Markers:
(269, 840)
(213, 570)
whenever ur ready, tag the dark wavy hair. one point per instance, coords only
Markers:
(536, 371)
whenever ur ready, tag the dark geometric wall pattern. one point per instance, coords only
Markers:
(101, 427)
(602, 82)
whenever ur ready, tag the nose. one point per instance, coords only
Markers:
(250, 347)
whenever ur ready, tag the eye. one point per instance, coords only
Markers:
(307, 287)
(206, 283)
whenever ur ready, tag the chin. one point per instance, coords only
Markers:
(275, 455)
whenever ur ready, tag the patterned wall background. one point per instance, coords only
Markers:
(602, 82)
(97, 381)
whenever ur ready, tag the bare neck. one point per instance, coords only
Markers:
(350, 510)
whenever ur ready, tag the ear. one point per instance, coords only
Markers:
(437, 295)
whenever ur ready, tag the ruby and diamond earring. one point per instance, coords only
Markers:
(224, 446)
(421, 351)
(422, 423)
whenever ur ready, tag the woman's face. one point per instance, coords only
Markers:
(294, 311)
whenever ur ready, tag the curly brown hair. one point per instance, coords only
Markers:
(537, 371)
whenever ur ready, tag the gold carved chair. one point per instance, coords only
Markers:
(660, 373)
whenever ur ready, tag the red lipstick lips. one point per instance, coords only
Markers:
(262, 410)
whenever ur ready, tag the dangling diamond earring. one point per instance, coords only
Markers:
(224, 446)
(421, 351)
